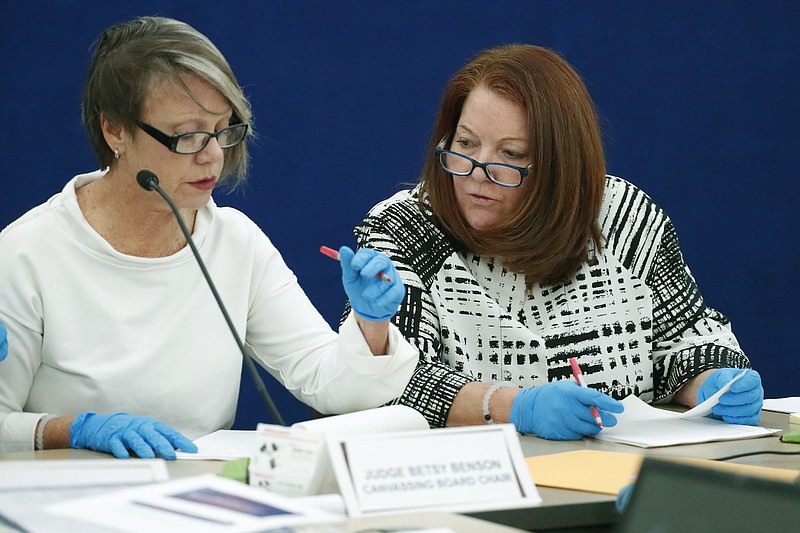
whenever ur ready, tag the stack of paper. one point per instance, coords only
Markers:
(790, 406)
(646, 426)
(783, 405)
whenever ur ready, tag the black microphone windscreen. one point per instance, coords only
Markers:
(147, 180)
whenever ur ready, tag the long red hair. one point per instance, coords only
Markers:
(552, 233)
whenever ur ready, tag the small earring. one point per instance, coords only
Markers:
(116, 154)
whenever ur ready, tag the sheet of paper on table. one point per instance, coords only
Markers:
(646, 426)
(228, 444)
(223, 445)
(201, 504)
(27, 486)
(783, 405)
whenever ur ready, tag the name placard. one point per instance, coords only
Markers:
(455, 469)
(294, 461)
(289, 462)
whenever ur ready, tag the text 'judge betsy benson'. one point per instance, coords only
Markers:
(432, 476)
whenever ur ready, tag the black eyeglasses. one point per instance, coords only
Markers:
(191, 143)
(500, 173)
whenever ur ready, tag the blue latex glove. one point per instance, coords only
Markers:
(3, 342)
(623, 497)
(742, 403)
(121, 432)
(561, 410)
(371, 298)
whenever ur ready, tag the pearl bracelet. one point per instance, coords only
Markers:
(488, 395)
(40, 431)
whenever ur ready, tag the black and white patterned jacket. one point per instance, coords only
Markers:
(633, 317)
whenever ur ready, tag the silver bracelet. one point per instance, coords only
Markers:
(488, 395)
(40, 431)
(525, 392)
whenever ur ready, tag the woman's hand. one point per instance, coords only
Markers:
(741, 404)
(371, 297)
(561, 410)
(122, 433)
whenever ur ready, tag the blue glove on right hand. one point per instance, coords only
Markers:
(623, 497)
(561, 410)
(120, 432)
(742, 403)
(3, 342)
(370, 297)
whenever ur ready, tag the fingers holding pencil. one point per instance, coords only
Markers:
(371, 282)
(578, 374)
(612, 405)
(333, 254)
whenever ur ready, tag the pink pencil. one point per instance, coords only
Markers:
(333, 254)
(578, 374)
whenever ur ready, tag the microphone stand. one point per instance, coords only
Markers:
(149, 181)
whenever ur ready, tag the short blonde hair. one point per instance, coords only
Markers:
(129, 55)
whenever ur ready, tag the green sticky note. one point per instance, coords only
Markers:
(792, 436)
(236, 469)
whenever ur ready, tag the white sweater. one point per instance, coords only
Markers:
(91, 329)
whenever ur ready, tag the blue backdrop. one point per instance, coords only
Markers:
(700, 106)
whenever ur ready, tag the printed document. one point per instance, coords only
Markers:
(202, 504)
(646, 426)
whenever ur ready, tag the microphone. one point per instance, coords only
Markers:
(149, 182)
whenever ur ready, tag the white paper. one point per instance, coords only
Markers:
(705, 408)
(379, 420)
(24, 508)
(19, 475)
(646, 426)
(223, 445)
(226, 444)
(783, 405)
(202, 504)
(675, 431)
(26, 486)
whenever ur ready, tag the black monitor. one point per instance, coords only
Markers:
(675, 497)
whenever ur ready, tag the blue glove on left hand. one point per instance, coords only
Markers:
(120, 432)
(370, 297)
(742, 403)
(3, 342)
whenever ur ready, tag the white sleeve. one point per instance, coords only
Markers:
(331, 373)
(17, 371)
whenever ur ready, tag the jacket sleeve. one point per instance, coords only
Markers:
(417, 249)
(688, 336)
